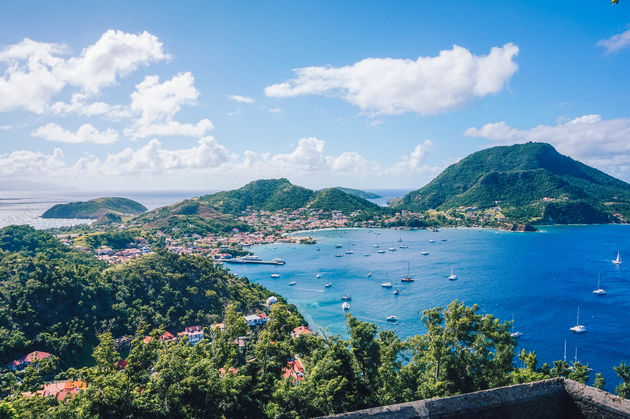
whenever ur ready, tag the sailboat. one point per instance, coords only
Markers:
(514, 334)
(275, 274)
(618, 260)
(408, 277)
(369, 274)
(349, 252)
(424, 253)
(578, 328)
(452, 277)
(599, 290)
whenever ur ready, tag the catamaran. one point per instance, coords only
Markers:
(578, 328)
(618, 260)
(599, 290)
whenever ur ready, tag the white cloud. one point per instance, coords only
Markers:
(79, 106)
(604, 143)
(33, 163)
(85, 134)
(157, 103)
(37, 71)
(428, 85)
(207, 155)
(241, 99)
(616, 42)
(153, 165)
(414, 162)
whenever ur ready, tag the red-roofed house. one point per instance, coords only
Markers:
(60, 389)
(301, 330)
(21, 363)
(294, 369)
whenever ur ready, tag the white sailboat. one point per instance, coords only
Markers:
(452, 277)
(599, 290)
(424, 253)
(514, 334)
(386, 285)
(618, 260)
(578, 328)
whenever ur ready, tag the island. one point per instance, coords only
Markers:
(96, 208)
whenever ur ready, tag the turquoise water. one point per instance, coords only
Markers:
(539, 279)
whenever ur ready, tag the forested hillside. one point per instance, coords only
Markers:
(531, 182)
(95, 208)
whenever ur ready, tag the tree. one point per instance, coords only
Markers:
(599, 382)
(623, 371)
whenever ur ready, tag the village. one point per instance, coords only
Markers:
(60, 389)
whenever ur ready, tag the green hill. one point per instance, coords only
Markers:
(263, 194)
(359, 193)
(530, 182)
(56, 299)
(334, 199)
(95, 208)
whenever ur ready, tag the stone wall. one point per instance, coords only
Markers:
(554, 398)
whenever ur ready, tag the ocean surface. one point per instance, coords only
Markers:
(538, 279)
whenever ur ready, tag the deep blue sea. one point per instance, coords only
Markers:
(538, 279)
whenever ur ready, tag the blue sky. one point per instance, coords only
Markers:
(370, 94)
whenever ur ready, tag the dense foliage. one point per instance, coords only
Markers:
(518, 177)
(56, 299)
(95, 208)
(462, 351)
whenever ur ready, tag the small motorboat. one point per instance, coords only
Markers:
(346, 298)
(328, 284)
(345, 306)
(292, 283)
(386, 285)
(424, 252)
(396, 292)
(392, 319)
(274, 275)
(318, 276)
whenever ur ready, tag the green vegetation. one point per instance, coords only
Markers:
(280, 194)
(518, 178)
(95, 208)
(55, 299)
(334, 199)
(462, 351)
(359, 193)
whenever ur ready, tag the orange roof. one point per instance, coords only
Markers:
(301, 330)
(294, 369)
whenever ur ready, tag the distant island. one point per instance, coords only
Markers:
(108, 207)
(359, 193)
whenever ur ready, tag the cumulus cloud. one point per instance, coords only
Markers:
(78, 105)
(155, 163)
(605, 143)
(414, 162)
(37, 71)
(428, 85)
(616, 42)
(85, 134)
(33, 163)
(157, 103)
(241, 99)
